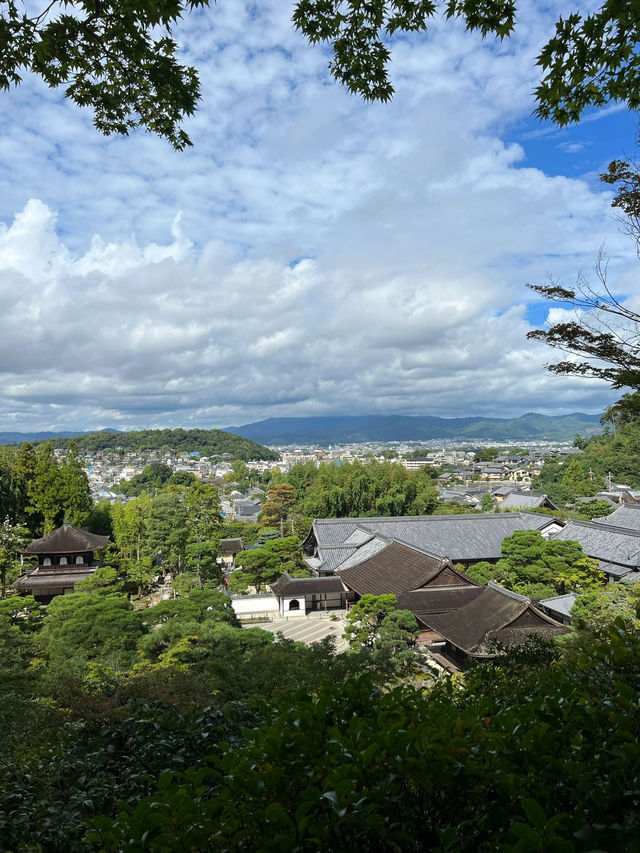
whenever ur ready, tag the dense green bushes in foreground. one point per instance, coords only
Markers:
(540, 752)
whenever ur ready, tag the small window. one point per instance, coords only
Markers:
(63, 561)
(46, 561)
(294, 604)
(80, 561)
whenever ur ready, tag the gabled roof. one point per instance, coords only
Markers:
(560, 604)
(627, 516)
(39, 579)
(230, 546)
(490, 618)
(394, 569)
(287, 585)
(67, 540)
(458, 537)
(526, 500)
(610, 545)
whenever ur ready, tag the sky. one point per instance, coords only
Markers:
(312, 254)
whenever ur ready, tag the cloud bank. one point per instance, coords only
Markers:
(311, 254)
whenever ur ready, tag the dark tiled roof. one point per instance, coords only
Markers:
(438, 599)
(526, 500)
(604, 542)
(395, 569)
(52, 580)
(458, 537)
(490, 618)
(230, 546)
(286, 585)
(67, 540)
(627, 516)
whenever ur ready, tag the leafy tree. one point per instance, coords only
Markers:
(276, 509)
(203, 511)
(265, 565)
(599, 608)
(580, 482)
(130, 523)
(167, 530)
(105, 580)
(154, 476)
(182, 478)
(239, 582)
(46, 488)
(366, 617)
(76, 497)
(591, 60)
(594, 509)
(13, 538)
(481, 765)
(123, 62)
(398, 632)
(487, 454)
(486, 503)
(200, 557)
(90, 626)
(261, 565)
(535, 566)
(22, 611)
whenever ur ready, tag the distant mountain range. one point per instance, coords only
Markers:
(347, 430)
(19, 437)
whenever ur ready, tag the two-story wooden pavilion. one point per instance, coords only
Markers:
(66, 556)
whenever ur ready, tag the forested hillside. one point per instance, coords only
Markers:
(614, 456)
(207, 442)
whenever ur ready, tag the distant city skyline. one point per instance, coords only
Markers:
(312, 254)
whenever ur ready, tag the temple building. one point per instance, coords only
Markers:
(66, 556)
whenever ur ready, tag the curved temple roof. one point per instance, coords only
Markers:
(67, 540)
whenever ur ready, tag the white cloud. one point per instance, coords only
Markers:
(311, 253)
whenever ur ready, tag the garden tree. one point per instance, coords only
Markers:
(154, 476)
(89, 625)
(302, 527)
(239, 582)
(167, 530)
(580, 482)
(184, 582)
(76, 498)
(486, 503)
(197, 605)
(266, 535)
(13, 538)
(487, 454)
(398, 632)
(366, 617)
(203, 511)
(99, 520)
(22, 611)
(599, 608)
(130, 522)
(594, 509)
(535, 566)
(105, 580)
(261, 565)
(46, 488)
(200, 558)
(265, 565)
(276, 509)
(182, 478)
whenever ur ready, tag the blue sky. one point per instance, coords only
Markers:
(311, 254)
